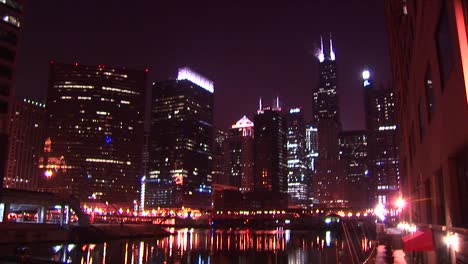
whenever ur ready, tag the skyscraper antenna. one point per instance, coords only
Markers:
(332, 53)
(321, 55)
(260, 104)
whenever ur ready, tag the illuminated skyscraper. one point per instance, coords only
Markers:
(27, 135)
(311, 136)
(325, 105)
(240, 155)
(270, 163)
(11, 12)
(181, 138)
(298, 176)
(383, 147)
(328, 177)
(95, 121)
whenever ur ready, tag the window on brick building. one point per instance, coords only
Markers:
(444, 43)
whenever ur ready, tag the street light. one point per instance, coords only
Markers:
(400, 203)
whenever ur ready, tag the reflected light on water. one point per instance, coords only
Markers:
(213, 246)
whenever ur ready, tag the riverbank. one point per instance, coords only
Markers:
(13, 233)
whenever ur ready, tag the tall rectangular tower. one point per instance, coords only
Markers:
(11, 12)
(298, 177)
(95, 122)
(27, 135)
(383, 145)
(181, 140)
(240, 154)
(354, 152)
(328, 177)
(270, 162)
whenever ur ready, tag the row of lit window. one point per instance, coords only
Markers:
(12, 20)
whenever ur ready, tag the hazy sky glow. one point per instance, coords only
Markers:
(247, 48)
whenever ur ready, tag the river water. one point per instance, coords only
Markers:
(206, 246)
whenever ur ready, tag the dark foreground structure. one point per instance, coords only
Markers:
(429, 55)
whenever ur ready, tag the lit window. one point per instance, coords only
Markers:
(11, 20)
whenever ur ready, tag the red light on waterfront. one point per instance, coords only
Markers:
(146, 70)
(76, 63)
(48, 173)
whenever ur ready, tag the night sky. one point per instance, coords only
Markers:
(248, 48)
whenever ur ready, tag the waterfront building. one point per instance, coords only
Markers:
(354, 152)
(431, 90)
(95, 124)
(240, 155)
(383, 146)
(181, 157)
(270, 155)
(27, 133)
(298, 176)
(328, 176)
(11, 12)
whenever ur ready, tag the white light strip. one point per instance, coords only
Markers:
(187, 74)
(382, 128)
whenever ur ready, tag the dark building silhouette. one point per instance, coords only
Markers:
(239, 157)
(354, 152)
(219, 155)
(383, 145)
(27, 133)
(181, 138)
(95, 124)
(430, 83)
(11, 12)
(328, 176)
(298, 176)
(270, 162)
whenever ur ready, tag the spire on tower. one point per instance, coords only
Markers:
(277, 102)
(260, 104)
(332, 52)
(321, 55)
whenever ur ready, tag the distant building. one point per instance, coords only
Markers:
(27, 134)
(383, 145)
(219, 173)
(270, 161)
(298, 176)
(325, 103)
(354, 152)
(95, 124)
(328, 176)
(181, 156)
(239, 157)
(431, 91)
(311, 146)
(11, 12)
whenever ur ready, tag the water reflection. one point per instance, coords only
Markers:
(208, 246)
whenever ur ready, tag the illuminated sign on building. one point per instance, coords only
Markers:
(242, 123)
(187, 74)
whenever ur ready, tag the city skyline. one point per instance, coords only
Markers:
(239, 55)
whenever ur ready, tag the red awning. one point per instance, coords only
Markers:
(419, 241)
